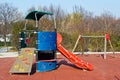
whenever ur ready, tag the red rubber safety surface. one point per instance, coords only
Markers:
(108, 69)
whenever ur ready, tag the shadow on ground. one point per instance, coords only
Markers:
(64, 62)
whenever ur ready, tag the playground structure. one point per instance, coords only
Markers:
(106, 38)
(47, 43)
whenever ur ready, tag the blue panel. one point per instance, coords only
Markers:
(46, 41)
(43, 66)
(47, 36)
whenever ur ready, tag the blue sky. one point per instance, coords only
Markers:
(95, 6)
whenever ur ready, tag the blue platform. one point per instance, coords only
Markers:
(47, 65)
(46, 41)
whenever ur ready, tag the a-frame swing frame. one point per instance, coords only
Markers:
(106, 38)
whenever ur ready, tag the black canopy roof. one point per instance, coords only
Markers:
(38, 14)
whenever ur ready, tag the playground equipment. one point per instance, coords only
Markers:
(23, 63)
(46, 45)
(72, 57)
(106, 38)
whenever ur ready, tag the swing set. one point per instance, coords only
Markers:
(106, 38)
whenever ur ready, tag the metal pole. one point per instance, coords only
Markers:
(25, 25)
(54, 23)
(105, 47)
(54, 52)
(92, 36)
(36, 20)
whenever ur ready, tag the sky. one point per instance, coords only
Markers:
(97, 7)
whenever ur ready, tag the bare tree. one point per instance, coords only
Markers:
(31, 9)
(59, 16)
(8, 15)
(107, 20)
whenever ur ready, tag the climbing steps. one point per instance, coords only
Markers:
(23, 63)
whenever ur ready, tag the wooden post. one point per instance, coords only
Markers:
(108, 39)
(111, 47)
(76, 43)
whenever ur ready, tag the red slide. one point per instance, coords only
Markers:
(71, 57)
